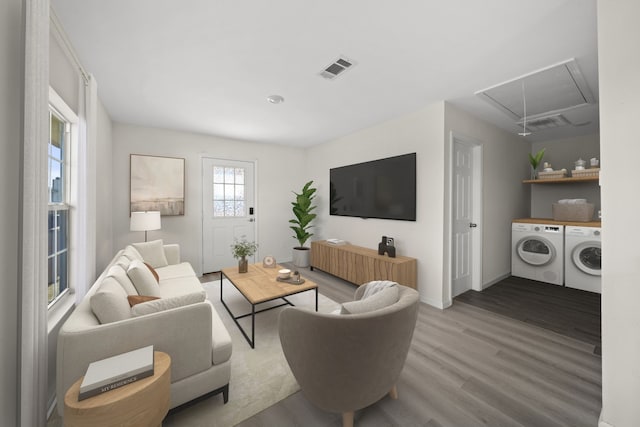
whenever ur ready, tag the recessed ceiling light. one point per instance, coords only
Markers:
(275, 99)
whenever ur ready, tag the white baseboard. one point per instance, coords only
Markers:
(496, 280)
(602, 423)
(437, 304)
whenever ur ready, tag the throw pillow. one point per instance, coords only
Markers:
(152, 252)
(123, 262)
(120, 274)
(131, 253)
(153, 271)
(163, 304)
(109, 303)
(142, 279)
(138, 299)
(384, 298)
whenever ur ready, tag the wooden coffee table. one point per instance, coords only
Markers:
(259, 285)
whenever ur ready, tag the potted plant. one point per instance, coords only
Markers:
(535, 161)
(302, 210)
(241, 249)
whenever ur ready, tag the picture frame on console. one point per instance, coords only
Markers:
(157, 184)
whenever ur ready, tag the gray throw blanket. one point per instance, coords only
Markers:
(376, 286)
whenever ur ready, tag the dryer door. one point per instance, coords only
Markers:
(536, 251)
(587, 257)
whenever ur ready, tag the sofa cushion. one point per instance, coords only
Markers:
(131, 253)
(152, 252)
(139, 299)
(381, 299)
(142, 279)
(120, 274)
(173, 271)
(123, 262)
(221, 344)
(109, 303)
(179, 286)
(163, 304)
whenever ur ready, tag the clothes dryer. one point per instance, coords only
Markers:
(538, 252)
(583, 258)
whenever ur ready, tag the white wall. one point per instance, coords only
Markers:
(420, 132)
(11, 79)
(280, 170)
(619, 68)
(63, 74)
(562, 153)
(505, 164)
(104, 190)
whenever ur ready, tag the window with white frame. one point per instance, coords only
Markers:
(228, 192)
(58, 204)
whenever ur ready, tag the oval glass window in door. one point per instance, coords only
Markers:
(588, 258)
(535, 251)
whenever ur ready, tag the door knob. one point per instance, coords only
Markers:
(473, 225)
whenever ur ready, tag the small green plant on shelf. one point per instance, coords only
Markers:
(535, 162)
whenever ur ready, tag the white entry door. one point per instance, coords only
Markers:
(463, 225)
(227, 210)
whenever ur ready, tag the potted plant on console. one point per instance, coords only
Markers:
(302, 210)
(241, 249)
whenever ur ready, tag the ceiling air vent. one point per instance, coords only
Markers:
(339, 66)
(547, 122)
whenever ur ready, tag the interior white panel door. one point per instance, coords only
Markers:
(228, 196)
(462, 262)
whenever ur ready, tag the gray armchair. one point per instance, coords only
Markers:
(344, 363)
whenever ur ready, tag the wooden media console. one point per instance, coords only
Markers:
(360, 265)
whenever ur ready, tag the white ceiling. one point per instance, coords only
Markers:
(208, 66)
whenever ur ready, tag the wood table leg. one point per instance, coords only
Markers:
(393, 393)
(347, 419)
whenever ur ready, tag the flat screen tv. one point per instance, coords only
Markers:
(384, 188)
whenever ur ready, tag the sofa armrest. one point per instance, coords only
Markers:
(166, 331)
(172, 252)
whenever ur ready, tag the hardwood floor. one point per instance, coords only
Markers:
(571, 312)
(468, 366)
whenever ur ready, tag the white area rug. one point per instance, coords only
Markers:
(260, 377)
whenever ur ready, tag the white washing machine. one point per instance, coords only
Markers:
(538, 252)
(582, 258)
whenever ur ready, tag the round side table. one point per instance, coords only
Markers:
(141, 403)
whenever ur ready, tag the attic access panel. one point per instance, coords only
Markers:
(549, 91)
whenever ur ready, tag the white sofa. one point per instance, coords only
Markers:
(181, 323)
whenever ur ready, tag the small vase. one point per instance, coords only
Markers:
(534, 173)
(243, 265)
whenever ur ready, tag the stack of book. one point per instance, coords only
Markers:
(117, 371)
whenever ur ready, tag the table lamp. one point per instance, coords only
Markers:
(145, 221)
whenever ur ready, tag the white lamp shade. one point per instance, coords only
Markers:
(145, 221)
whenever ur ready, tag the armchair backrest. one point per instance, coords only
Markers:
(346, 362)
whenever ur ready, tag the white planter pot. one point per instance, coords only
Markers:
(300, 256)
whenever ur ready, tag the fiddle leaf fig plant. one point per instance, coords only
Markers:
(302, 210)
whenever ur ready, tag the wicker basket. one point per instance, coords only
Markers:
(551, 175)
(585, 173)
(582, 212)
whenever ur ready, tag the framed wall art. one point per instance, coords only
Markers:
(157, 184)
